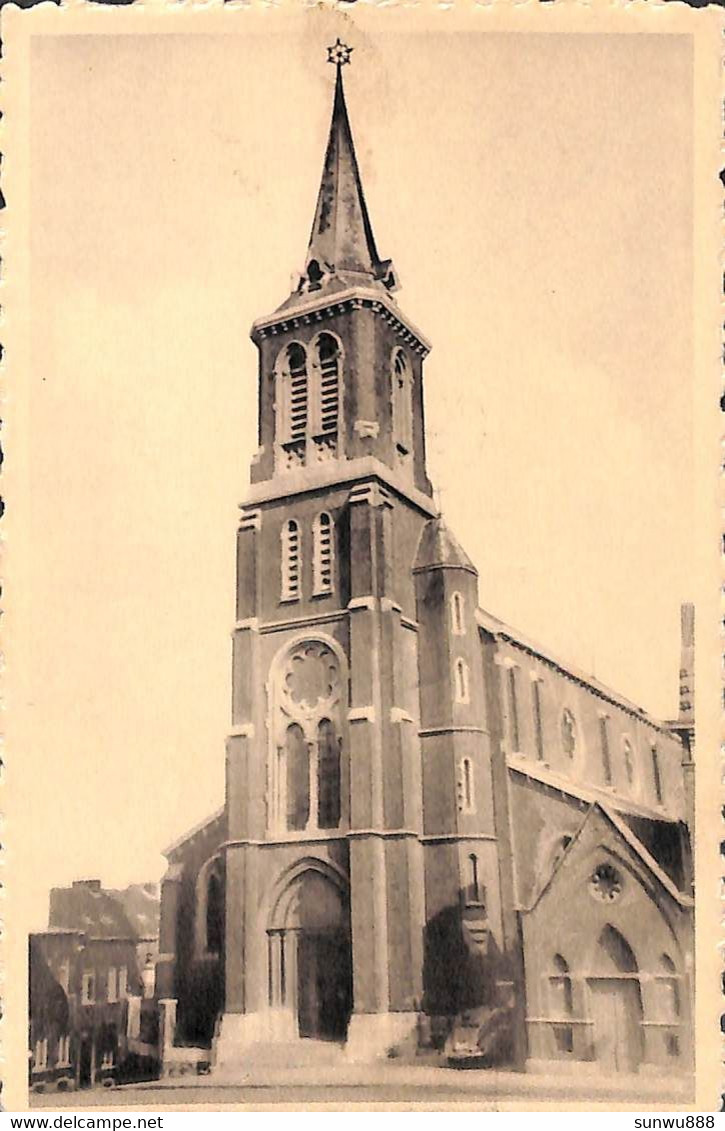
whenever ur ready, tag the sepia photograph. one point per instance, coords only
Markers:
(353, 664)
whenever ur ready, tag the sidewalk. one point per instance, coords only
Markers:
(466, 1086)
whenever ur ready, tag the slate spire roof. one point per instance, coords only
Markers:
(341, 250)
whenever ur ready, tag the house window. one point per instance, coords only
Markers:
(402, 405)
(457, 621)
(604, 749)
(88, 988)
(328, 398)
(323, 554)
(40, 1055)
(112, 984)
(538, 720)
(291, 561)
(514, 736)
(461, 681)
(122, 982)
(64, 1051)
(305, 763)
(466, 794)
(292, 399)
(568, 733)
(328, 776)
(628, 755)
(657, 775)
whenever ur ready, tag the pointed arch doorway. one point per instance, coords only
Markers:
(615, 1001)
(310, 955)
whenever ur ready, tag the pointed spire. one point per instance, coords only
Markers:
(342, 238)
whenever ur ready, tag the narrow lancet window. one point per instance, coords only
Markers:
(458, 623)
(298, 778)
(466, 794)
(538, 719)
(461, 681)
(606, 755)
(328, 776)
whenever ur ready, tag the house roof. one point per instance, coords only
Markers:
(100, 914)
(141, 903)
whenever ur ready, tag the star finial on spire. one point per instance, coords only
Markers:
(339, 53)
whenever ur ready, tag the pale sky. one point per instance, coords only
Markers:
(534, 193)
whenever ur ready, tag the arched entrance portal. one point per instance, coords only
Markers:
(310, 956)
(616, 1004)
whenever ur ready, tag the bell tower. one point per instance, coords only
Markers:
(324, 791)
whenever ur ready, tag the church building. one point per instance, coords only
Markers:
(436, 835)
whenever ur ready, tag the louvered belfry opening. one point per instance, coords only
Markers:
(290, 560)
(296, 406)
(323, 554)
(328, 354)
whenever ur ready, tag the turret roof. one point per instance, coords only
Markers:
(438, 547)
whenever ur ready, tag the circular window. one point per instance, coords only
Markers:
(568, 733)
(606, 883)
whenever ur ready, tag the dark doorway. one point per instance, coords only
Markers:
(85, 1063)
(324, 985)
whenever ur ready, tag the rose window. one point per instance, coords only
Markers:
(606, 883)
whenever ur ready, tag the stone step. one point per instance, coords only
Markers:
(301, 1053)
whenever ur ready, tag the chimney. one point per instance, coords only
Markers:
(91, 885)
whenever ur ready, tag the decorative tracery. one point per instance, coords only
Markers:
(305, 790)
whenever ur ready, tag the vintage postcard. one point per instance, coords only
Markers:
(362, 556)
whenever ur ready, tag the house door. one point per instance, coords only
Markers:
(324, 985)
(616, 1012)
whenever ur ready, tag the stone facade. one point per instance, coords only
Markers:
(434, 833)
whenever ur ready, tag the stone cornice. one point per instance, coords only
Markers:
(337, 473)
(307, 313)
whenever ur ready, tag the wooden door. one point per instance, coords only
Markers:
(616, 1022)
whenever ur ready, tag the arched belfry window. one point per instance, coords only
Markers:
(327, 398)
(323, 554)
(402, 382)
(292, 404)
(307, 708)
(291, 560)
